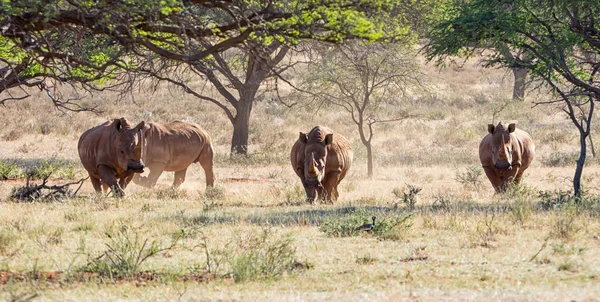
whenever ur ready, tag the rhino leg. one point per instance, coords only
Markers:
(494, 179)
(96, 183)
(511, 176)
(179, 178)
(206, 161)
(330, 187)
(124, 181)
(109, 178)
(150, 180)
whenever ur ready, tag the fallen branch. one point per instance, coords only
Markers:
(31, 192)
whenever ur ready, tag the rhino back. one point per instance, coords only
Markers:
(177, 144)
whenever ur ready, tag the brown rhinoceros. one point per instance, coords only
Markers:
(321, 159)
(173, 147)
(112, 151)
(505, 153)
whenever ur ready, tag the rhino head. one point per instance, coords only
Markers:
(502, 147)
(129, 146)
(315, 160)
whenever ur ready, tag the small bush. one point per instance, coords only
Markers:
(486, 232)
(125, 253)
(13, 135)
(470, 178)
(565, 224)
(408, 195)
(259, 256)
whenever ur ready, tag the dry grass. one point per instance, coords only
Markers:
(463, 243)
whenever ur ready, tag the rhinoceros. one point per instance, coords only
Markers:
(321, 159)
(173, 147)
(112, 151)
(505, 153)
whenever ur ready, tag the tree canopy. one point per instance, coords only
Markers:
(90, 41)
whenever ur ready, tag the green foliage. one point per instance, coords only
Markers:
(388, 226)
(37, 169)
(9, 170)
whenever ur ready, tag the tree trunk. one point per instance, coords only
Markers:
(369, 160)
(580, 163)
(241, 126)
(520, 81)
(592, 147)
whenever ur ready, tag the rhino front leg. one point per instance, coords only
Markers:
(96, 183)
(150, 180)
(124, 181)
(494, 179)
(109, 178)
(179, 178)
(330, 186)
(510, 176)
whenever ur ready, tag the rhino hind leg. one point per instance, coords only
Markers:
(179, 178)
(206, 161)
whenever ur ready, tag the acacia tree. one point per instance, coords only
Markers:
(159, 38)
(242, 72)
(368, 81)
(560, 43)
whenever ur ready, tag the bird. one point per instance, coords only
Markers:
(367, 226)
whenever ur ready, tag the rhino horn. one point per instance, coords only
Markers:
(312, 169)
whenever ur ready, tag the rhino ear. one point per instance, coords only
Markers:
(303, 137)
(491, 128)
(118, 124)
(328, 139)
(512, 127)
(139, 126)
